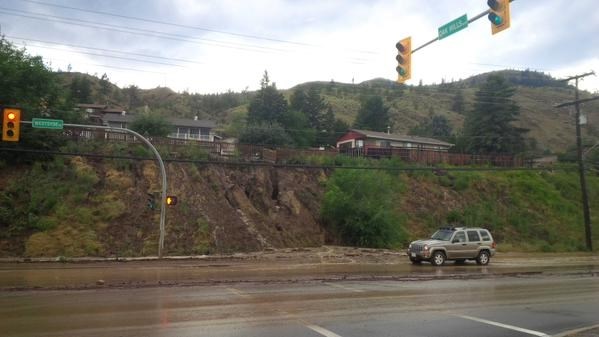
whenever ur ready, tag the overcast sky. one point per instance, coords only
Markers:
(215, 45)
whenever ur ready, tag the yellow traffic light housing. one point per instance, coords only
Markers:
(171, 200)
(499, 15)
(11, 124)
(404, 59)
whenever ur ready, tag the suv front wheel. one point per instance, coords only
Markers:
(483, 258)
(438, 258)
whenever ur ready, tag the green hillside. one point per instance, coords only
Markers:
(551, 130)
(89, 207)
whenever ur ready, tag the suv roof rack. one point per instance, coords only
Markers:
(452, 228)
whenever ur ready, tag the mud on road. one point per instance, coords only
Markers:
(320, 264)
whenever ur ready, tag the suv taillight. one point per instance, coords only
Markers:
(493, 245)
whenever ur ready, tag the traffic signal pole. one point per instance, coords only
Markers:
(583, 183)
(160, 163)
(476, 17)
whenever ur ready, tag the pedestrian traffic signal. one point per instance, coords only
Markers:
(151, 201)
(11, 124)
(404, 59)
(499, 15)
(171, 200)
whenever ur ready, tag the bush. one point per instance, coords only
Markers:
(151, 125)
(358, 208)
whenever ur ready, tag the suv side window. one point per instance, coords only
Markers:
(485, 235)
(473, 236)
(459, 237)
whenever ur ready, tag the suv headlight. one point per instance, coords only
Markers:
(425, 247)
(410, 246)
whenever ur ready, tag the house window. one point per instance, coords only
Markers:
(385, 144)
(359, 143)
(194, 133)
(182, 132)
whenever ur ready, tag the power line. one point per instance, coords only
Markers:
(103, 49)
(291, 166)
(109, 56)
(153, 33)
(187, 26)
(115, 67)
(130, 30)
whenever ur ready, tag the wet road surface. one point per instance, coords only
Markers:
(276, 267)
(544, 302)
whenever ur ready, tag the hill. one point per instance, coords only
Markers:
(551, 130)
(91, 207)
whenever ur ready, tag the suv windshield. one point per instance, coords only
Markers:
(443, 235)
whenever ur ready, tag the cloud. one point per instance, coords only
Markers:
(308, 40)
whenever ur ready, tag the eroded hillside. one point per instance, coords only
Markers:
(90, 207)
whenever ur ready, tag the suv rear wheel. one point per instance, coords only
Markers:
(438, 258)
(483, 258)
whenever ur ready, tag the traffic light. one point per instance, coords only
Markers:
(151, 201)
(11, 124)
(404, 59)
(499, 15)
(171, 200)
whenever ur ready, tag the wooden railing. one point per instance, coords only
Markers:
(248, 152)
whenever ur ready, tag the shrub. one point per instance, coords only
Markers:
(358, 207)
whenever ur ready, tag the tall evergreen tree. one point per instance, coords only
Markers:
(488, 128)
(268, 106)
(133, 95)
(326, 132)
(373, 115)
(435, 126)
(81, 89)
(311, 104)
(105, 86)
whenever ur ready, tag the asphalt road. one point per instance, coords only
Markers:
(498, 305)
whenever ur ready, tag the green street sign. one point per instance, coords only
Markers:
(43, 123)
(453, 26)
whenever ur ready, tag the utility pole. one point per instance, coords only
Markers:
(583, 182)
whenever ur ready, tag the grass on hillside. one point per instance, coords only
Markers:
(525, 210)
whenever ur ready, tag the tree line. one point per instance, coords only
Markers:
(303, 120)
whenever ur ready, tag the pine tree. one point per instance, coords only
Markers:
(488, 128)
(105, 86)
(373, 115)
(436, 126)
(268, 106)
(311, 104)
(81, 89)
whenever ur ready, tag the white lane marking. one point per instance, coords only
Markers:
(344, 287)
(322, 331)
(505, 326)
(237, 292)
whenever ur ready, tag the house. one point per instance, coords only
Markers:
(96, 112)
(193, 129)
(365, 140)
(198, 129)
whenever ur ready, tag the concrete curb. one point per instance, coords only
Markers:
(580, 330)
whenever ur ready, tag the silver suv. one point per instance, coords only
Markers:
(454, 243)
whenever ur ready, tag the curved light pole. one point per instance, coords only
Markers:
(160, 163)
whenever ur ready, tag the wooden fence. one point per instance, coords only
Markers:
(248, 152)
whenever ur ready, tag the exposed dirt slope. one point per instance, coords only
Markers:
(220, 210)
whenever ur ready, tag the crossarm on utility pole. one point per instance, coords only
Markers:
(583, 184)
(579, 101)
